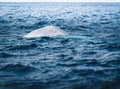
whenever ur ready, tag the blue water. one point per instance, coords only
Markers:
(91, 61)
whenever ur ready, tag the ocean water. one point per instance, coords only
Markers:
(91, 61)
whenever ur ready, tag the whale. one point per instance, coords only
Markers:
(47, 31)
(53, 31)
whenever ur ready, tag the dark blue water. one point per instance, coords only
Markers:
(60, 63)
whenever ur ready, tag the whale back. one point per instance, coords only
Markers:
(48, 31)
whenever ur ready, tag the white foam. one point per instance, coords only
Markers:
(48, 31)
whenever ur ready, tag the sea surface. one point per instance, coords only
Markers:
(91, 61)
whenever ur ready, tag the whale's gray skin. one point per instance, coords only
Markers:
(48, 31)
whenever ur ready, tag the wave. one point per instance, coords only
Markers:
(111, 46)
(21, 47)
(4, 55)
(18, 68)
